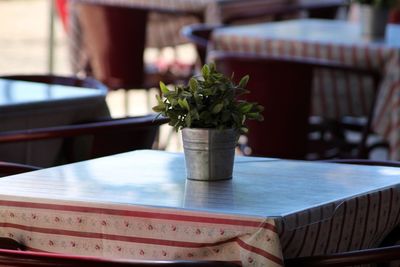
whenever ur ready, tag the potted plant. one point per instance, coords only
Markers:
(211, 117)
(374, 16)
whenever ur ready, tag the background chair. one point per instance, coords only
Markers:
(100, 138)
(114, 39)
(283, 86)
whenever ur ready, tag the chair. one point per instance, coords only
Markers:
(352, 258)
(9, 168)
(97, 139)
(114, 40)
(60, 80)
(283, 86)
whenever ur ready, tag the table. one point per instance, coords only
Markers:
(335, 94)
(26, 105)
(164, 29)
(140, 205)
(168, 17)
(164, 23)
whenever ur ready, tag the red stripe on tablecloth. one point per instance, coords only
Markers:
(380, 57)
(361, 87)
(317, 234)
(322, 89)
(390, 126)
(143, 214)
(329, 233)
(246, 44)
(354, 225)
(347, 80)
(342, 225)
(398, 212)
(281, 47)
(301, 247)
(367, 58)
(152, 241)
(292, 49)
(259, 251)
(287, 245)
(379, 213)
(320, 86)
(131, 239)
(269, 48)
(390, 209)
(366, 222)
(303, 240)
(386, 101)
(257, 46)
(334, 84)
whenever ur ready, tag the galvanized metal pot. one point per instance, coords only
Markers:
(209, 153)
(373, 21)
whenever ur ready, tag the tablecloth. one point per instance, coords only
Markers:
(141, 233)
(139, 205)
(335, 94)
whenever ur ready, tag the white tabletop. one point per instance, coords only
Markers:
(18, 93)
(313, 30)
(260, 186)
(28, 105)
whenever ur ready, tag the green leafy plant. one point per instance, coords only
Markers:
(208, 101)
(378, 3)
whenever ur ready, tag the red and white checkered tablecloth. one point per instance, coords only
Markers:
(335, 94)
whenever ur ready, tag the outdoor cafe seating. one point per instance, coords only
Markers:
(80, 186)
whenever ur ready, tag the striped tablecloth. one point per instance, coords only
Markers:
(335, 94)
(139, 233)
(139, 205)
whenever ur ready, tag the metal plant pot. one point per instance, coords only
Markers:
(373, 21)
(209, 153)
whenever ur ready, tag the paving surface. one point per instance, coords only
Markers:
(24, 30)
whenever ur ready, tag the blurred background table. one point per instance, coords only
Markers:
(139, 205)
(168, 17)
(335, 94)
(27, 105)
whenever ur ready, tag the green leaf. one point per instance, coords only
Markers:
(193, 84)
(205, 71)
(245, 107)
(164, 88)
(183, 104)
(243, 82)
(217, 108)
(244, 130)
